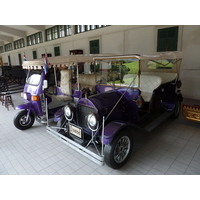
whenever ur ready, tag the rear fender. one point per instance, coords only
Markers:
(171, 105)
(111, 130)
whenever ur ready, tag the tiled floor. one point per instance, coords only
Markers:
(173, 148)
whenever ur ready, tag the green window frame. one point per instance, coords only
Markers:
(34, 39)
(68, 30)
(8, 47)
(84, 28)
(19, 43)
(61, 31)
(34, 54)
(167, 39)
(57, 32)
(57, 51)
(9, 61)
(1, 49)
(94, 47)
(20, 59)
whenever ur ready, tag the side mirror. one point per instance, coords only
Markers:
(45, 84)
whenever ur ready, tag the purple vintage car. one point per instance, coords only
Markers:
(123, 94)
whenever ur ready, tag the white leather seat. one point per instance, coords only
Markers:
(148, 84)
(65, 86)
(166, 76)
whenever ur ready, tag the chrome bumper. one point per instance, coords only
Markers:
(98, 159)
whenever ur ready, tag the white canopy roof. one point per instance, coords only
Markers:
(74, 59)
(151, 56)
(62, 60)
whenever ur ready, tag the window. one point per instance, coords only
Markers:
(19, 44)
(83, 28)
(58, 31)
(38, 37)
(1, 49)
(20, 59)
(48, 35)
(121, 72)
(9, 61)
(57, 51)
(34, 54)
(34, 39)
(94, 47)
(55, 32)
(68, 30)
(167, 39)
(34, 77)
(8, 47)
(61, 29)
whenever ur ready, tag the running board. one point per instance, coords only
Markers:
(156, 122)
(98, 159)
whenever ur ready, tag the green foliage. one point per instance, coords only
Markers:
(160, 64)
(133, 66)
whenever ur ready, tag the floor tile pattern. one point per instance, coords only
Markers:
(173, 148)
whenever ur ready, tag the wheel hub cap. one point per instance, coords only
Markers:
(122, 149)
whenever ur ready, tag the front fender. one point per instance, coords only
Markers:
(112, 129)
(26, 106)
(58, 114)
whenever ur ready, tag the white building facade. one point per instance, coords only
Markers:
(119, 39)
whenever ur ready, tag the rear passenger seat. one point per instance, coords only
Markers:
(148, 83)
(166, 77)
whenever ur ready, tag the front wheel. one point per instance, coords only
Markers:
(118, 152)
(22, 122)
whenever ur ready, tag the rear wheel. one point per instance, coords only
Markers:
(118, 152)
(22, 122)
(177, 109)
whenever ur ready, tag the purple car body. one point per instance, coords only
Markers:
(123, 94)
(133, 92)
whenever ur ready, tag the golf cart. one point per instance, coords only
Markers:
(125, 93)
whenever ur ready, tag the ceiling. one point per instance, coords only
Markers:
(9, 32)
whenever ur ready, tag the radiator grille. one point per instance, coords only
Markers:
(82, 112)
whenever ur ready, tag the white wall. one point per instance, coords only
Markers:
(190, 72)
(140, 40)
(113, 43)
(126, 39)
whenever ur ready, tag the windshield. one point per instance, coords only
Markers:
(34, 77)
(118, 72)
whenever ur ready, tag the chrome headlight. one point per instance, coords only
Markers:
(68, 111)
(93, 121)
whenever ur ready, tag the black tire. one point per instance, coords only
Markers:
(118, 152)
(177, 109)
(62, 123)
(20, 120)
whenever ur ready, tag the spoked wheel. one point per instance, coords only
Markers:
(177, 109)
(22, 122)
(118, 152)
